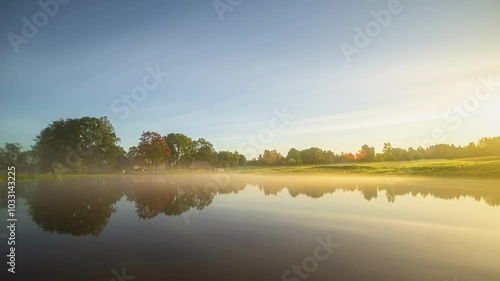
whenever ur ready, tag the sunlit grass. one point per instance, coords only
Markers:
(467, 167)
(477, 167)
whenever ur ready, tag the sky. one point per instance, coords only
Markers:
(229, 70)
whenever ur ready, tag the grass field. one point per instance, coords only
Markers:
(478, 167)
(488, 167)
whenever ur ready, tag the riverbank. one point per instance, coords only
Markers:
(478, 167)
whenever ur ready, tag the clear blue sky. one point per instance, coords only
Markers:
(227, 76)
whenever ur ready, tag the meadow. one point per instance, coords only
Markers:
(478, 167)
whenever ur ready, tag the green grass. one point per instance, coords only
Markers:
(478, 167)
(488, 167)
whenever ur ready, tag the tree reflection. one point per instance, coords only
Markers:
(84, 206)
(175, 195)
(317, 187)
(73, 207)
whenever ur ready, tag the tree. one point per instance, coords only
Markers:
(388, 152)
(489, 146)
(389, 157)
(312, 155)
(28, 161)
(181, 148)
(225, 158)
(293, 156)
(204, 151)
(350, 157)
(271, 157)
(86, 142)
(10, 155)
(329, 156)
(471, 149)
(401, 154)
(379, 157)
(368, 153)
(360, 155)
(133, 155)
(243, 160)
(228, 158)
(153, 149)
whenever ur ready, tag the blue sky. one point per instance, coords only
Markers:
(227, 76)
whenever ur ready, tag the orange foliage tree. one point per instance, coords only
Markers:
(350, 157)
(153, 149)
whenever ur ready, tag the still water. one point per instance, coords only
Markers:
(238, 227)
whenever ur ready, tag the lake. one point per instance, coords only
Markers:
(249, 227)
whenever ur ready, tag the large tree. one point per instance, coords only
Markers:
(271, 157)
(293, 156)
(312, 155)
(153, 149)
(203, 150)
(368, 153)
(80, 144)
(182, 149)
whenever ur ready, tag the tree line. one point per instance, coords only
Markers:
(315, 155)
(90, 145)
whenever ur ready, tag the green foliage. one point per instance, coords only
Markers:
(10, 155)
(368, 153)
(312, 155)
(228, 159)
(87, 142)
(389, 153)
(204, 151)
(293, 157)
(182, 149)
(379, 157)
(271, 157)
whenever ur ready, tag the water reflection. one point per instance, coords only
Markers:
(487, 191)
(77, 208)
(84, 206)
(171, 196)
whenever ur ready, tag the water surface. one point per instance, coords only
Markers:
(229, 227)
